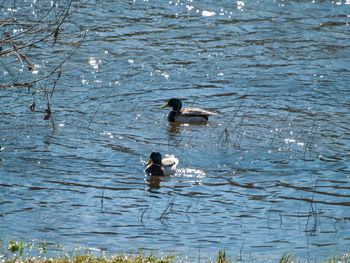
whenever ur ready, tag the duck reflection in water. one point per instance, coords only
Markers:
(153, 182)
(178, 131)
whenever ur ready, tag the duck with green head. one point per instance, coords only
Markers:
(161, 166)
(186, 115)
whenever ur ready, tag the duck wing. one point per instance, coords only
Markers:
(169, 163)
(170, 160)
(191, 111)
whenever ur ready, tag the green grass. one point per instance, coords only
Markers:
(87, 258)
(90, 259)
(19, 252)
(340, 259)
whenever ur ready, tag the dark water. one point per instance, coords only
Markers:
(268, 174)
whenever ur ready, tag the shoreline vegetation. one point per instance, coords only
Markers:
(16, 252)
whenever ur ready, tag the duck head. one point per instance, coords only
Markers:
(155, 158)
(175, 103)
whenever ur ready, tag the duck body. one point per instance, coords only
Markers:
(1, 148)
(161, 166)
(186, 115)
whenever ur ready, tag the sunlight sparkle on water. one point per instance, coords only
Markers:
(197, 175)
(240, 5)
(15, 31)
(190, 172)
(289, 140)
(93, 63)
(207, 13)
(35, 71)
(189, 7)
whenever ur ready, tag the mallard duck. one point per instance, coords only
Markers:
(186, 115)
(1, 148)
(161, 166)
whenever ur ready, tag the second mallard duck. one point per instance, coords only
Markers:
(186, 115)
(161, 166)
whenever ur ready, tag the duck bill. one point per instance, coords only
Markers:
(165, 105)
(149, 162)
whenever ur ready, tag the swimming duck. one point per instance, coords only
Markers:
(186, 115)
(161, 166)
(1, 148)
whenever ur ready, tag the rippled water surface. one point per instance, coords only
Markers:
(269, 173)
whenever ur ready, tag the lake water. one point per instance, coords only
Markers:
(268, 174)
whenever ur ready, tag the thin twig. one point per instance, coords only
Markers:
(98, 107)
(310, 139)
(312, 211)
(31, 83)
(102, 196)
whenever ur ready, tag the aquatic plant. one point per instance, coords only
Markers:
(287, 258)
(340, 259)
(221, 258)
(17, 255)
(15, 246)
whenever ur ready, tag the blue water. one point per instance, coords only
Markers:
(268, 174)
